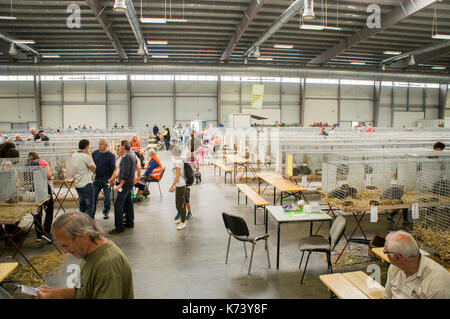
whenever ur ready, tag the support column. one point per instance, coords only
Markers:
(240, 96)
(62, 102)
(392, 105)
(130, 112)
(281, 102)
(106, 104)
(443, 90)
(37, 99)
(175, 101)
(301, 102)
(339, 103)
(376, 102)
(219, 100)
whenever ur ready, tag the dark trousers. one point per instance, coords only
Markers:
(99, 185)
(405, 213)
(141, 158)
(86, 199)
(167, 143)
(180, 201)
(123, 205)
(48, 207)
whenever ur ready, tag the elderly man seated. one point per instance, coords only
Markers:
(411, 275)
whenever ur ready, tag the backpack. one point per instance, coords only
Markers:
(188, 174)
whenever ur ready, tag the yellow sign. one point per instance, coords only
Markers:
(289, 165)
(257, 96)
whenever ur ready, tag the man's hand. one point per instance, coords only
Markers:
(172, 189)
(117, 188)
(111, 181)
(47, 292)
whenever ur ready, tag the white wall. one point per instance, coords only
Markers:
(153, 101)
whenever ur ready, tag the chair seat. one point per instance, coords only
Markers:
(313, 243)
(251, 239)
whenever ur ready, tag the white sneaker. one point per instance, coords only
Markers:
(177, 221)
(181, 226)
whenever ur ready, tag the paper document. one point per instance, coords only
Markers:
(29, 290)
(373, 214)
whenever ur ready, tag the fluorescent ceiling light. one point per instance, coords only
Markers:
(159, 56)
(156, 42)
(438, 67)
(23, 41)
(358, 63)
(332, 28)
(153, 20)
(7, 18)
(311, 27)
(50, 56)
(261, 58)
(177, 20)
(283, 46)
(392, 52)
(441, 36)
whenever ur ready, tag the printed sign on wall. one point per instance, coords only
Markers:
(257, 96)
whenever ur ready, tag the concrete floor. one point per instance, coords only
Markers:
(190, 263)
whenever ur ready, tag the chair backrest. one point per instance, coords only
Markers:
(235, 225)
(162, 173)
(336, 231)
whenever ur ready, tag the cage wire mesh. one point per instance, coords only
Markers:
(23, 186)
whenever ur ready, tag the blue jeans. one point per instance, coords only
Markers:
(124, 205)
(86, 199)
(167, 143)
(99, 185)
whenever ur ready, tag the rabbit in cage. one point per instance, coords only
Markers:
(394, 192)
(343, 191)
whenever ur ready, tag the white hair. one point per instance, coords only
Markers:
(402, 243)
(176, 150)
(152, 152)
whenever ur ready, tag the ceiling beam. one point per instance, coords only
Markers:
(403, 11)
(97, 8)
(249, 14)
(279, 22)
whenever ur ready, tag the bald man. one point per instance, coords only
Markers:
(106, 164)
(411, 275)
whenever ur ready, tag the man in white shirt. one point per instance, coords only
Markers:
(83, 167)
(412, 275)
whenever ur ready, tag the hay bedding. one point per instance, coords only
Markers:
(364, 199)
(437, 241)
(44, 264)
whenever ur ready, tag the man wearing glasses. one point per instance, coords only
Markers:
(411, 275)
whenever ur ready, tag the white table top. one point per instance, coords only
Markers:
(280, 216)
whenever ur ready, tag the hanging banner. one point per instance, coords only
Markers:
(289, 165)
(257, 96)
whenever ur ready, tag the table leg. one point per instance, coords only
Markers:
(281, 198)
(274, 196)
(266, 221)
(259, 186)
(278, 246)
(310, 228)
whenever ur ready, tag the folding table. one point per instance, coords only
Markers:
(68, 183)
(12, 215)
(281, 217)
(286, 188)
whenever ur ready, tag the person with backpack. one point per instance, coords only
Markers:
(182, 177)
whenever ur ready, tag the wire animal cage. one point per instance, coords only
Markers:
(23, 183)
